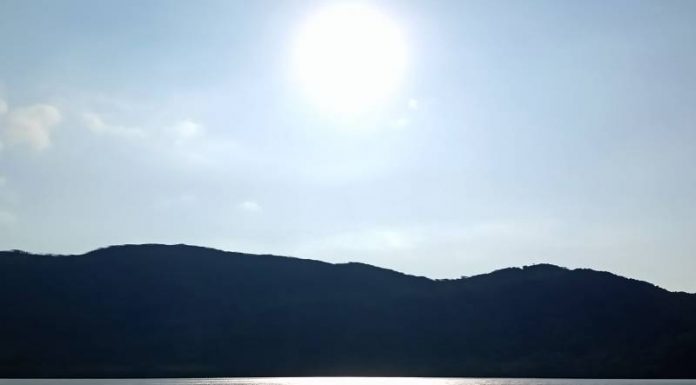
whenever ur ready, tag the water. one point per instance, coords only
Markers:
(341, 381)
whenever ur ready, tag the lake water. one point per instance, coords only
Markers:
(343, 381)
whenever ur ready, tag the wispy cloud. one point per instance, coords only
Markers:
(186, 130)
(31, 125)
(180, 133)
(95, 123)
(249, 206)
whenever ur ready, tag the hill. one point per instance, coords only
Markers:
(184, 311)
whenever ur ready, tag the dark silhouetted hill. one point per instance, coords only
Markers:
(179, 311)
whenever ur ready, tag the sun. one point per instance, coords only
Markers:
(349, 58)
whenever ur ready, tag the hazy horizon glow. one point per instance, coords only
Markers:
(441, 138)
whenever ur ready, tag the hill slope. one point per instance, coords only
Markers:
(171, 311)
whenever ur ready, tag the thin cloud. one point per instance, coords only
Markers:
(31, 126)
(249, 206)
(95, 123)
(181, 132)
(186, 130)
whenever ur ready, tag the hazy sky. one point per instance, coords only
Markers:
(516, 132)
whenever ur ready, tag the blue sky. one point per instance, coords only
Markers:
(520, 132)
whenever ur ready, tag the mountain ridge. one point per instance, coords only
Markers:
(188, 311)
(533, 266)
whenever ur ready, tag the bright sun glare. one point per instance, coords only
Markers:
(349, 58)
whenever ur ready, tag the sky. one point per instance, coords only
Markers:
(454, 138)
